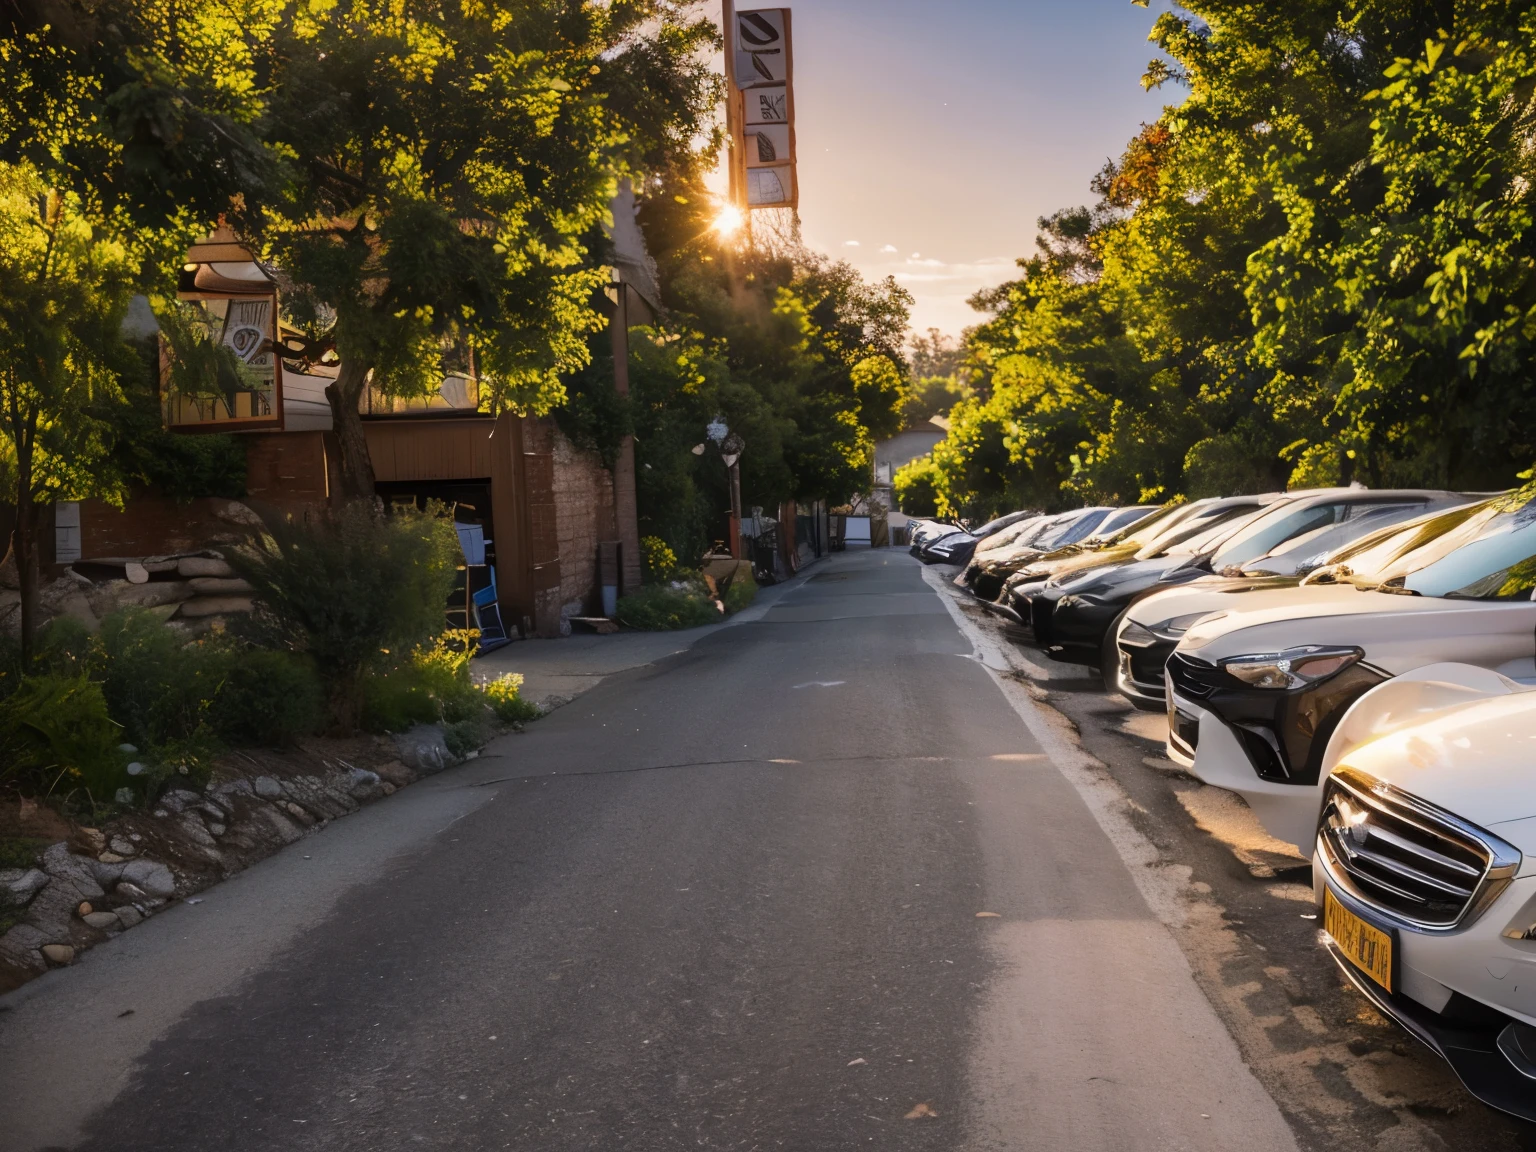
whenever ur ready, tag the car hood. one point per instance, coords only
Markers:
(1472, 759)
(1121, 576)
(1397, 633)
(1207, 594)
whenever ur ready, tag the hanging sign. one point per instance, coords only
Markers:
(760, 68)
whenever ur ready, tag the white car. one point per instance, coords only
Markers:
(1274, 550)
(1254, 693)
(1426, 868)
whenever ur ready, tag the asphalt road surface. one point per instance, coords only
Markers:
(820, 882)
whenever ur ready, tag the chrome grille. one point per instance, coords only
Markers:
(1197, 679)
(1407, 858)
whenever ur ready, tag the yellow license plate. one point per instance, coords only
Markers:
(1368, 948)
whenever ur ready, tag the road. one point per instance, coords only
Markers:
(828, 879)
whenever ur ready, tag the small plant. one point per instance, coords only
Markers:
(664, 607)
(659, 560)
(57, 739)
(157, 684)
(432, 685)
(504, 695)
(741, 593)
(268, 698)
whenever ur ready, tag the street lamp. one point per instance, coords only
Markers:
(731, 446)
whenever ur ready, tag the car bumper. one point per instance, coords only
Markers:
(1447, 997)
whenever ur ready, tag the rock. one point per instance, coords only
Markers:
(298, 813)
(363, 784)
(77, 607)
(53, 909)
(239, 514)
(389, 789)
(61, 864)
(57, 953)
(287, 831)
(131, 892)
(136, 572)
(396, 773)
(91, 839)
(151, 876)
(220, 586)
(21, 884)
(212, 811)
(179, 800)
(9, 576)
(128, 916)
(230, 787)
(268, 788)
(215, 828)
(108, 872)
(196, 831)
(85, 908)
(121, 594)
(21, 946)
(123, 847)
(67, 585)
(200, 606)
(424, 749)
(123, 796)
(109, 858)
(103, 920)
(203, 567)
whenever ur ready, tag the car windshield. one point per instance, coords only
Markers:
(1013, 532)
(1075, 529)
(1194, 539)
(1000, 523)
(1484, 551)
(1327, 544)
(1122, 518)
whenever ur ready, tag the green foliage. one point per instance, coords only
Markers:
(351, 588)
(504, 695)
(156, 684)
(267, 697)
(1320, 266)
(665, 607)
(432, 685)
(917, 487)
(658, 561)
(740, 594)
(57, 739)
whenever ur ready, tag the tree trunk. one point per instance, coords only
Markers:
(356, 482)
(24, 541)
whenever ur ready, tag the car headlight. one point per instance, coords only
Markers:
(1136, 635)
(1293, 668)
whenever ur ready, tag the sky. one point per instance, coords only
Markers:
(932, 134)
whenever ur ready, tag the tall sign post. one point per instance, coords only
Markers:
(760, 107)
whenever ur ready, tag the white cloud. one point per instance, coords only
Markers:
(889, 248)
(850, 243)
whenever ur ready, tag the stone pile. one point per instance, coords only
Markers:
(101, 882)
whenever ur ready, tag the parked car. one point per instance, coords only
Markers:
(1165, 524)
(1324, 530)
(956, 547)
(1073, 617)
(1425, 822)
(1255, 692)
(1084, 530)
(1042, 535)
(920, 532)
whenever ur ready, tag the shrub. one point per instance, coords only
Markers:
(157, 684)
(432, 685)
(662, 607)
(56, 738)
(267, 698)
(352, 587)
(504, 695)
(660, 561)
(742, 592)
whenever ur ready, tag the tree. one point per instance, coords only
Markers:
(61, 353)
(446, 164)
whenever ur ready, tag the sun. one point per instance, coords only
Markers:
(728, 220)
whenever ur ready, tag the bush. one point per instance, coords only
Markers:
(157, 685)
(504, 695)
(351, 588)
(663, 607)
(659, 561)
(433, 685)
(267, 698)
(742, 592)
(56, 738)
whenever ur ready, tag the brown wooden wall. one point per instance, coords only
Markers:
(431, 449)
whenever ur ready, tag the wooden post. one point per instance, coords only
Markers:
(626, 507)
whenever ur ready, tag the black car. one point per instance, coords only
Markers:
(956, 547)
